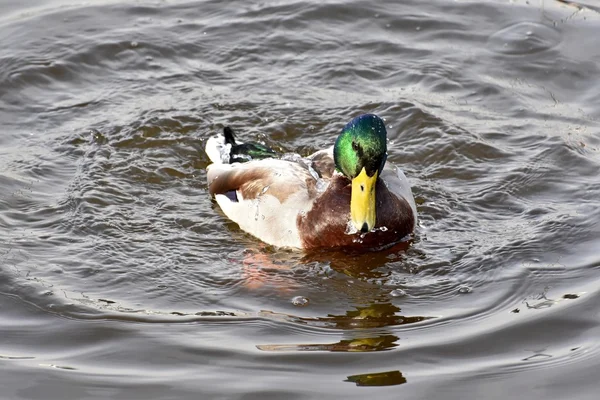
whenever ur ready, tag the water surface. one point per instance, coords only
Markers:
(121, 278)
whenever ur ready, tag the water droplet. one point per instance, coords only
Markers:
(418, 28)
(464, 289)
(524, 38)
(350, 229)
(256, 213)
(134, 44)
(321, 185)
(97, 137)
(300, 301)
(311, 170)
(397, 293)
(58, 366)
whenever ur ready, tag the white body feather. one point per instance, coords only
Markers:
(217, 150)
(265, 217)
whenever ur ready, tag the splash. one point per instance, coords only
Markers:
(350, 229)
(321, 185)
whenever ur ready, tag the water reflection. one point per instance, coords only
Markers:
(261, 264)
(360, 265)
(16, 357)
(388, 378)
(367, 344)
(361, 328)
(376, 315)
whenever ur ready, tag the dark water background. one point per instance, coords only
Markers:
(120, 278)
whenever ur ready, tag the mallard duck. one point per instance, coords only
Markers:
(345, 196)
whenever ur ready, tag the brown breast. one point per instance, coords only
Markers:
(326, 223)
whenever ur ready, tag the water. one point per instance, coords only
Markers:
(120, 278)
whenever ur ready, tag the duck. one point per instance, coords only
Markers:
(346, 196)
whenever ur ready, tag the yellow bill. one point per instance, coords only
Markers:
(362, 202)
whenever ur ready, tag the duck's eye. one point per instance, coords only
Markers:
(357, 148)
(362, 188)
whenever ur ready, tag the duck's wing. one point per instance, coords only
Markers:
(264, 197)
(323, 163)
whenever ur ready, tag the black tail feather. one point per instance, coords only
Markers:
(246, 151)
(229, 138)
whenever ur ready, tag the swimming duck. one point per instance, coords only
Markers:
(345, 196)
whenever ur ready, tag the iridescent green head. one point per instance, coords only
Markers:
(360, 153)
(362, 144)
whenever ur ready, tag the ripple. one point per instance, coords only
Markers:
(524, 38)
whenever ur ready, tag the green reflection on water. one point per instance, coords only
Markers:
(358, 323)
(376, 315)
(376, 343)
(388, 378)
